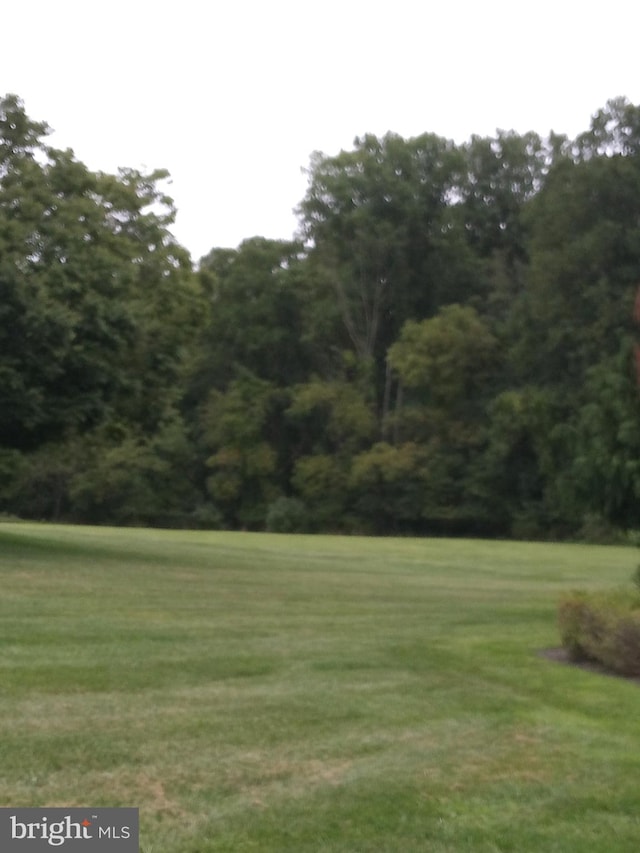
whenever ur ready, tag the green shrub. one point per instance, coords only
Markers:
(207, 516)
(597, 530)
(287, 515)
(602, 627)
(571, 618)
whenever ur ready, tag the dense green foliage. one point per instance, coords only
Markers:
(447, 347)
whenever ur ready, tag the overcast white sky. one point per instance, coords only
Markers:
(232, 97)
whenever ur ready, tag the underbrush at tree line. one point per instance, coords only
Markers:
(447, 349)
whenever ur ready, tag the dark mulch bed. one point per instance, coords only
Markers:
(559, 655)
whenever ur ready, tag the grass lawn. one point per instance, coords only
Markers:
(254, 692)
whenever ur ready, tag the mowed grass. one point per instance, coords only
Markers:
(253, 692)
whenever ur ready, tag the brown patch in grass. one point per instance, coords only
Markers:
(140, 790)
(256, 776)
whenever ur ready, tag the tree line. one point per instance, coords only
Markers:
(446, 347)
